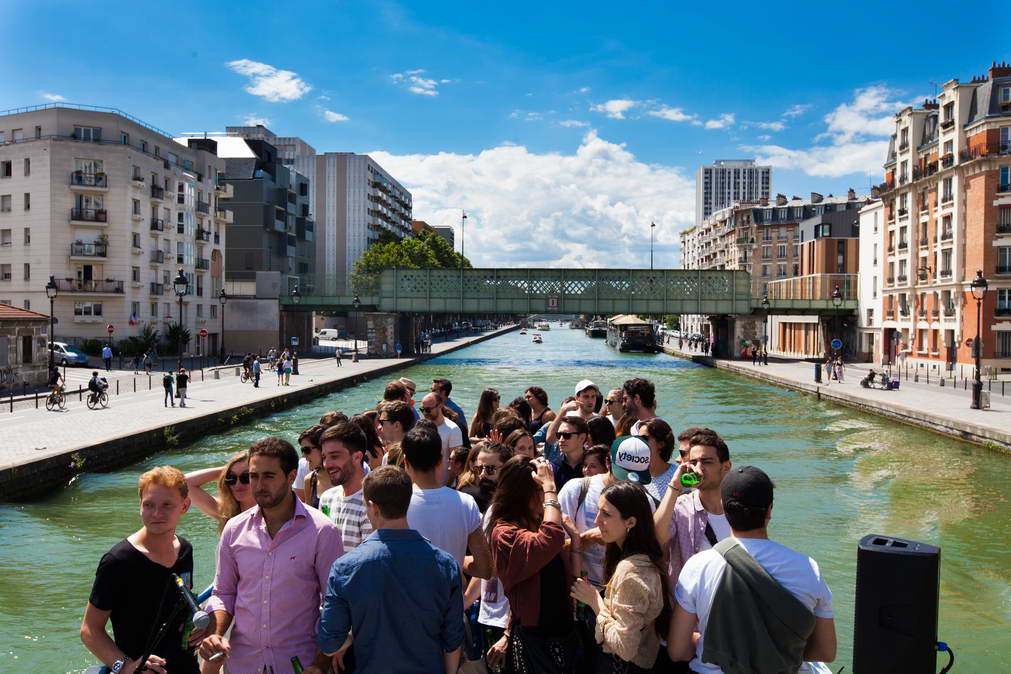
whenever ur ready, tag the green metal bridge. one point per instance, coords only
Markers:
(560, 291)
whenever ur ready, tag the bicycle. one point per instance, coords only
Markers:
(56, 399)
(98, 399)
(245, 376)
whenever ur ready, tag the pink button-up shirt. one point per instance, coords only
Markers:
(273, 587)
(687, 533)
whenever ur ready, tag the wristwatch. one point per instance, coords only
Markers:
(117, 666)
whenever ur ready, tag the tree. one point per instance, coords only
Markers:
(173, 334)
(427, 251)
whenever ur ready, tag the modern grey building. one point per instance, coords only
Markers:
(729, 180)
(446, 232)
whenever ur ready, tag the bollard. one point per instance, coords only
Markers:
(201, 374)
(117, 387)
(36, 400)
(134, 384)
(149, 382)
(217, 374)
(12, 400)
(236, 372)
(80, 397)
(942, 382)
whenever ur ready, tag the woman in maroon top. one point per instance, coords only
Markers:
(526, 535)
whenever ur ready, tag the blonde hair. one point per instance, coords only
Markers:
(166, 476)
(228, 507)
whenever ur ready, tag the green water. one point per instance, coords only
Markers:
(840, 475)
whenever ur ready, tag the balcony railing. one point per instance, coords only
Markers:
(203, 263)
(203, 235)
(157, 289)
(157, 192)
(814, 287)
(903, 245)
(82, 179)
(947, 161)
(948, 123)
(923, 242)
(949, 309)
(903, 211)
(89, 249)
(1004, 227)
(157, 225)
(945, 273)
(1002, 311)
(890, 280)
(203, 207)
(107, 286)
(1004, 188)
(901, 278)
(89, 214)
(157, 256)
(946, 236)
(1003, 269)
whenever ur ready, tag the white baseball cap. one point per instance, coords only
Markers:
(583, 385)
(630, 458)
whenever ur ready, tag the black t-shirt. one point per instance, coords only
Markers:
(555, 619)
(182, 380)
(54, 377)
(134, 588)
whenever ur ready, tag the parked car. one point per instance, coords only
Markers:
(64, 354)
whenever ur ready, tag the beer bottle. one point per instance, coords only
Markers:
(296, 665)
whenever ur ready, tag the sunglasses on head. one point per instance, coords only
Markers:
(232, 478)
(567, 435)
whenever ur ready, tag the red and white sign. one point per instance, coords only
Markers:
(203, 332)
(110, 329)
(552, 303)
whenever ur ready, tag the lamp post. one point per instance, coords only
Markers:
(180, 285)
(296, 297)
(52, 290)
(222, 298)
(978, 287)
(355, 303)
(837, 300)
(652, 226)
(765, 329)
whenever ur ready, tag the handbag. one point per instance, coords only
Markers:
(533, 654)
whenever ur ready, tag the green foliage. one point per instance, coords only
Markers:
(671, 321)
(91, 347)
(426, 251)
(171, 437)
(172, 335)
(138, 345)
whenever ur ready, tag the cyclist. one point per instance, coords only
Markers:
(95, 386)
(247, 364)
(55, 380)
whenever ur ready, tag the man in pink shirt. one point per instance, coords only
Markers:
(273, 563)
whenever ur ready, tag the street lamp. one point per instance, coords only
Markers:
(181, 285)
(765, 336)
(837, 300)
(222, 298)
(978, 287)
(52, 290)
(355, 303)
(652, 226)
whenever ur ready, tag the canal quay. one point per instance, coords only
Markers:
(840, 474)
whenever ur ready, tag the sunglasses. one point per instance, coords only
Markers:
(428, 410)
(232, 478)
(567, 435)
(490, 470)
(611, 401)
(385, 421)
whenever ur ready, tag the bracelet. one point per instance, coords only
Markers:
(552, 502)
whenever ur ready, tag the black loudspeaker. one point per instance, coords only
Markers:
(895, 626)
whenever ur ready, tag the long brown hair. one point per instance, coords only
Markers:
(631, 500)
(514, 495)
(228, 507)
(483, 416)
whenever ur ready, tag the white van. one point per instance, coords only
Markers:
(328, 334)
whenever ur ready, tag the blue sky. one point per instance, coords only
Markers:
(557, 122)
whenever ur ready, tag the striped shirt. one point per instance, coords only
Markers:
(348, 513)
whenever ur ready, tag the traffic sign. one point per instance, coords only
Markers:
(294, 341)
(836, 343)
(203, 332)
(110, 329)
(552, 303)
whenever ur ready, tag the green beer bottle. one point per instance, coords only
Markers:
(296, 665)
(690, 480)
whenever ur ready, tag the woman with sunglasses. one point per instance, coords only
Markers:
(234, 493)
(317, 480)
(481, 422)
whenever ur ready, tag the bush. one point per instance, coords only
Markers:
(91, 347)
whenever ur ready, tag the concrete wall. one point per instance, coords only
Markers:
(252, 324)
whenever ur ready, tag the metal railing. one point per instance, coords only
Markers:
(82, 179)
(89, 249)
(203, 263)
(107, 286)
(89, 214)
(203, 207)
(157, 225)
(814, 287)
(157, 192)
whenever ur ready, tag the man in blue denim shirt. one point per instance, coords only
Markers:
(400, 595)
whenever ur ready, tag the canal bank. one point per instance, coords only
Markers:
(46, 450)
(933, 408)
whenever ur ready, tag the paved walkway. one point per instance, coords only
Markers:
(944, 409)
(30, 435)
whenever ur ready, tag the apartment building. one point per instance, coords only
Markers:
(110, 207)
(727, 181)
(947, 212)
(446, 232)
(871, 259)
(355, 200)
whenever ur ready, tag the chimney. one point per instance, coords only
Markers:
(764, 201)
(816, 198)
(875, 192)
(999, 70)
(851, 194)
(780, 199)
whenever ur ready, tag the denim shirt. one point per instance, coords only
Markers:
(688, 533)
(403, 599)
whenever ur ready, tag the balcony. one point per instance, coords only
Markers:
(948, 123)
(157, 288)
(903, 212)
(1004, 227)
(1004, 188)
(947, 161)
(106, 287)
(903, 180)
(903, 245)
(946, 236)
(903, 146)
(157, 192)
(203, 264)
(203, 235)
(217, 236)
(934, 313)
(88, 215)
(890, 280)
(137, 181)
(203, 207)
(93, 181)
(814, 291)
(157, 225)
(945, 273)
(157, 256)
(923, 241)
(224, 215)
(1003, 269)
(902, 278)
(904, 312)
(1002, 311)
(949, 309)
(88, 250)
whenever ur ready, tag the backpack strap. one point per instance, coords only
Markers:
(584, 488)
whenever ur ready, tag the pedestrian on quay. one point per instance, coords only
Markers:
(754, 355)
(257, 370)
(337, 355)
(234, 494)
(167, 382)
(147, 361)
(765, 356)
(634, 613)
(182, 382)
(107, 357)
(272, 567)
(716, 599)
(135, 362)
(417, 619)
(839, 369)
(286, 365)
(135, 586)
(278, 367)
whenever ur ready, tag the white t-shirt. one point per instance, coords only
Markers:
(348, 513)
(584, 516)
(303, 470)
(795, 571)
(451, 437)
(494, 608)
(445, 517)
(721, 527)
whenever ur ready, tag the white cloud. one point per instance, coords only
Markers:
(417, 84)
(331, 116)
(765, 138)
(55, 98)
(253, 120)
(856, 132)
(796, 110)
(671, 114)
(270, 83)
(615, 108)
(526, 116)
(721, 122)
(771, 126)
(573, 123)
(590, 208)
(583, 90)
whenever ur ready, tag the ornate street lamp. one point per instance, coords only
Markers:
(978, 287)
(222, 298)
(181, 286)
(837, 300)
(355, 303)
(52, 290)
(765, 338)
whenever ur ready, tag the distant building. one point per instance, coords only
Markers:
(24, 358)
(446, 232)
(419, 226)
(727, 181)
(871, 257)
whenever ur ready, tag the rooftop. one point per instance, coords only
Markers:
(7, 312)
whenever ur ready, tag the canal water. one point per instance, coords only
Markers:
(840, 474)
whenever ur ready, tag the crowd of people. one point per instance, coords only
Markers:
(409, 538)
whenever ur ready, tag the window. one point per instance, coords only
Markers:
(28, 201)
(85, 309)
(766, 252)
(782, 251)
(6, 169)
(946, 263)
(1004, 260)
(949, 112)
(154, 310)
(124, 138)
(200, 311)
(1004, 216)
(946, 227)
(28, 167)
(135, 274)
(214, 310)
(1005, 179)
(5, 238)
(874, 287)
(870, 317)
(135, 239)
(765, 270)
(1004, 299)
(134, 311)
(38, 132)
(781, 269)
(946, 189)
(28, 236)
(27, 304)
(143, 146)
(1005, 94)
(26, 348)
(157, 151)
(88, 133)
(5, 272)
(28, 271)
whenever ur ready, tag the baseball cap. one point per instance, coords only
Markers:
(748, 487)
(583, 385)
(630, 459)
